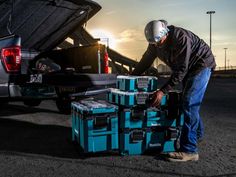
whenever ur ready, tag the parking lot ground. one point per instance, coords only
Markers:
(37, 142)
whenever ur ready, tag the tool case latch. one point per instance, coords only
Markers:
(142, 98)
(172, 133)
(138, 114)
(142, 83)
(137, 135)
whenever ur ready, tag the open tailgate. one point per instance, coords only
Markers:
(44, 24)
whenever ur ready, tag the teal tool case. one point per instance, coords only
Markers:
(144, 118)
(95, 125)
(139, 141)
(136, 83)
(132, 99)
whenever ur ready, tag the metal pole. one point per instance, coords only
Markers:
(108, 42)
(225, 58)
(210, 31)
(210, 12)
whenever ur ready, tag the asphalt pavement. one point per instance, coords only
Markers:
(37, 142)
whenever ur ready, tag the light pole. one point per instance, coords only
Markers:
(210, 12)
(225, 58)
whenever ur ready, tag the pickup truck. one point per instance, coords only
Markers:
(33, 64)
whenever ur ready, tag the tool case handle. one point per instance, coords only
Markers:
(142, 98)
(102, 120)
(137, 135)
(137, 114)
(171, 133)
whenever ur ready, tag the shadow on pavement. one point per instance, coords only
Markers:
(52, 140)
(10, 110)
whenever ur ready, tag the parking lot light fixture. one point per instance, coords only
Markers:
(225, 58)
(210, 12)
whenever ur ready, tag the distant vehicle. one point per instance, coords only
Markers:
(38, 63)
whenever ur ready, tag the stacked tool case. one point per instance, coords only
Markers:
(95, 125)
(132, 99)
(128, 123)
(142, 127)
(133, 90)
(136, 83)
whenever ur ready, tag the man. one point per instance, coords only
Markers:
(191, 62)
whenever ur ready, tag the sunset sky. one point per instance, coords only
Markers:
(123, 22)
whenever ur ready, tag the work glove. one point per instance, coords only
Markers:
(156, 98)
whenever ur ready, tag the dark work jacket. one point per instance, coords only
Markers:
(184, 52)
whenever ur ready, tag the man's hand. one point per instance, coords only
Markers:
(156, 98)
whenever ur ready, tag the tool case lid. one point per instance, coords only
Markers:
(136, 77)
(126, 93)
(94, 107)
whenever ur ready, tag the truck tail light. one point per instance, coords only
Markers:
(11, 57)
(106, 63)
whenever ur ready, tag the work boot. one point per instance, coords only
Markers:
(182, 157)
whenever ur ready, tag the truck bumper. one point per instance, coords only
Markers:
(4, 92)
(9, 91)
(14, 91)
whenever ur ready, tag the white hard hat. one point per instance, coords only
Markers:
(155, 30)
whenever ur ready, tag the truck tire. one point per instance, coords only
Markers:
(32, 102)
(63, 104)
(3, 104)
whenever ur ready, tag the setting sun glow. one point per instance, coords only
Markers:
(105, 37)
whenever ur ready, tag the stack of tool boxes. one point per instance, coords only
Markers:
(131, 126)
(142, 127)
(95, 125)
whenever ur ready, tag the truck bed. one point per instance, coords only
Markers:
(65, 79)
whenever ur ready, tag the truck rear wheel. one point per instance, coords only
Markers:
(32, 102)
(64, 104)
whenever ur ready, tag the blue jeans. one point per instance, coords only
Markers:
(193, 91)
